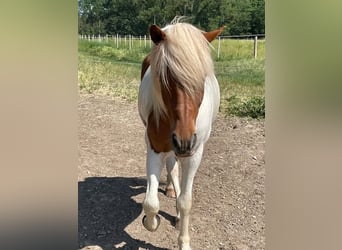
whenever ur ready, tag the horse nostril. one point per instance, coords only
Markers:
(193, 141)
(175, 141)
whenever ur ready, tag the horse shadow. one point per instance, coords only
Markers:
(106, 208)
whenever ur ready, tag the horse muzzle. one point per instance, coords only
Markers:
(183, 148)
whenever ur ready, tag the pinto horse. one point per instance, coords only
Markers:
(178, 100)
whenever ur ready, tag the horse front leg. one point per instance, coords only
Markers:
(189, 167)
(154, 164)
(172, 187)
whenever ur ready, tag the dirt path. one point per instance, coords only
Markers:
(229, 188)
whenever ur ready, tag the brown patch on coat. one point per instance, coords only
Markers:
(180, 119)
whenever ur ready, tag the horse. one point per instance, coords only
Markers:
(178, 100)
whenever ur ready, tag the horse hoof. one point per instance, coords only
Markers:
(151, 228)
(170, 192)
(185, 247)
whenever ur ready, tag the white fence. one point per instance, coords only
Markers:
(255, 46)
(130, 42)
(127, 41)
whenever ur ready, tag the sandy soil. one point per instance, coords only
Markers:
(229, 188)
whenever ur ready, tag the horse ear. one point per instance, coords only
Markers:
(211, 35)
(157, 35)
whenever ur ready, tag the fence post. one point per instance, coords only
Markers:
(255, 47)
(219, 48)
(130, 42)
(117, 41)
(145, 40)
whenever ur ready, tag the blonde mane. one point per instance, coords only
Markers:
(183, 56)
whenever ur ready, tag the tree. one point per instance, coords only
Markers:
(90, 16)
(258, 17)
(135, 16)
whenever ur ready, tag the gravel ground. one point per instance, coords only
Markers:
(228, 195)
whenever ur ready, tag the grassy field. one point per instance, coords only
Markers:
(105, 69)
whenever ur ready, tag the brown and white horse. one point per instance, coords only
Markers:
(178, 100)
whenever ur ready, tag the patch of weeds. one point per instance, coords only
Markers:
(253, 107)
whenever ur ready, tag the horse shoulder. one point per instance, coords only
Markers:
(145, 65)
(208, 109)
(144, 95)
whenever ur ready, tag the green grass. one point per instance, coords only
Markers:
(241, 81)
(108, 50)
(233, 49)
(105, 69)
(108, 77)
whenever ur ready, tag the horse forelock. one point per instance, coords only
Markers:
(183, 58)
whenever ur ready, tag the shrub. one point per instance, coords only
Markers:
(253, 107)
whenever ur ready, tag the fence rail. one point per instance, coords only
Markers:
(130, 42)
(120, 40)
